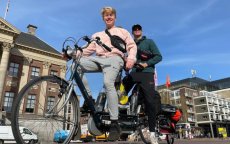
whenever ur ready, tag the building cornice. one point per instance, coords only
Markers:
(227, 89)
(31, 49)
(7, 28)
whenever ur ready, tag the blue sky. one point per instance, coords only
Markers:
(191, 34)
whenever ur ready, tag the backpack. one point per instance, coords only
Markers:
(117, 42)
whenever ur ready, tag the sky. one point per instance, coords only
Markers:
(190, 34)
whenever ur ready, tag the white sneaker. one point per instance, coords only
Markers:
(133, 137)
(154, 140)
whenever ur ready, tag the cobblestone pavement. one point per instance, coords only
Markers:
(177, 141)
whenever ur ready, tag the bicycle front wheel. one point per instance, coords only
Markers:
(143, 130)
(170, 138)
(35, 115)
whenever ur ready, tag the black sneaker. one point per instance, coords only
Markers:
(114, 131)
(85, 107)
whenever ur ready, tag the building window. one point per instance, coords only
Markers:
(30, 103)
(203, 108)
(8, 101)
(13, 69)
(202, 100)
(177, 101)
(69, 109)
(35, 72)
(53, 72)
(177, 93)
(50, 102)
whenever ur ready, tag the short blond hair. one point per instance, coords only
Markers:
(108, 9)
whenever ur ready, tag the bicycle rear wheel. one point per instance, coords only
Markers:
(170, 138)
(34, 113)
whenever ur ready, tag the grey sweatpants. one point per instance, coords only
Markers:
(110, 66)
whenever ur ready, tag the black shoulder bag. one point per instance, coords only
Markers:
(117, 42)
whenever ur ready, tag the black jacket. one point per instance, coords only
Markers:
(148, 45)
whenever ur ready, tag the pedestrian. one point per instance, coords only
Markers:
(148, 55)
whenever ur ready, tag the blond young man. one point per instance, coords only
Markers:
(110, 63)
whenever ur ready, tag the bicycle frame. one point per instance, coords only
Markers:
(76, 77)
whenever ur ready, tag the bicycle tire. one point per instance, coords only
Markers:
(143, 130)
(41, 123)
(169, 138)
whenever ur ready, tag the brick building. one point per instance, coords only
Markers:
(204, 103)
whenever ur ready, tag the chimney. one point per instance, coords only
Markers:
(31, 29)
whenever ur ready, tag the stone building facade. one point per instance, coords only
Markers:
(23, 56)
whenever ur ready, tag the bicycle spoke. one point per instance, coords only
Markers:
(33, 112)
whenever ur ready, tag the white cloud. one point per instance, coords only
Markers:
(182, 23)
(205, 29)
(200, 59)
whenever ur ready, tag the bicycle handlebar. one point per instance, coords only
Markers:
(98, 41)
(69, 51)
(102, 44)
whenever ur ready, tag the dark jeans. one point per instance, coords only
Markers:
(151, 98)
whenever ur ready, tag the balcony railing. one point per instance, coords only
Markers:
(213, 116)
(225, 117)
(213, 109)
(189, 119)
(190, 111)
(222, 110)
(221, 102)
(189, 103)
(175, 97)
(219, 118)
(218, 109)
(187, 95)
(215, 101)
(210, 100)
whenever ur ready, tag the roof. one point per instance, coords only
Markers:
(8, 27)
(221, 83)
(188, 82)
(34, 42)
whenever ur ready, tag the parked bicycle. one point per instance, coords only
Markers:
(59, 121)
